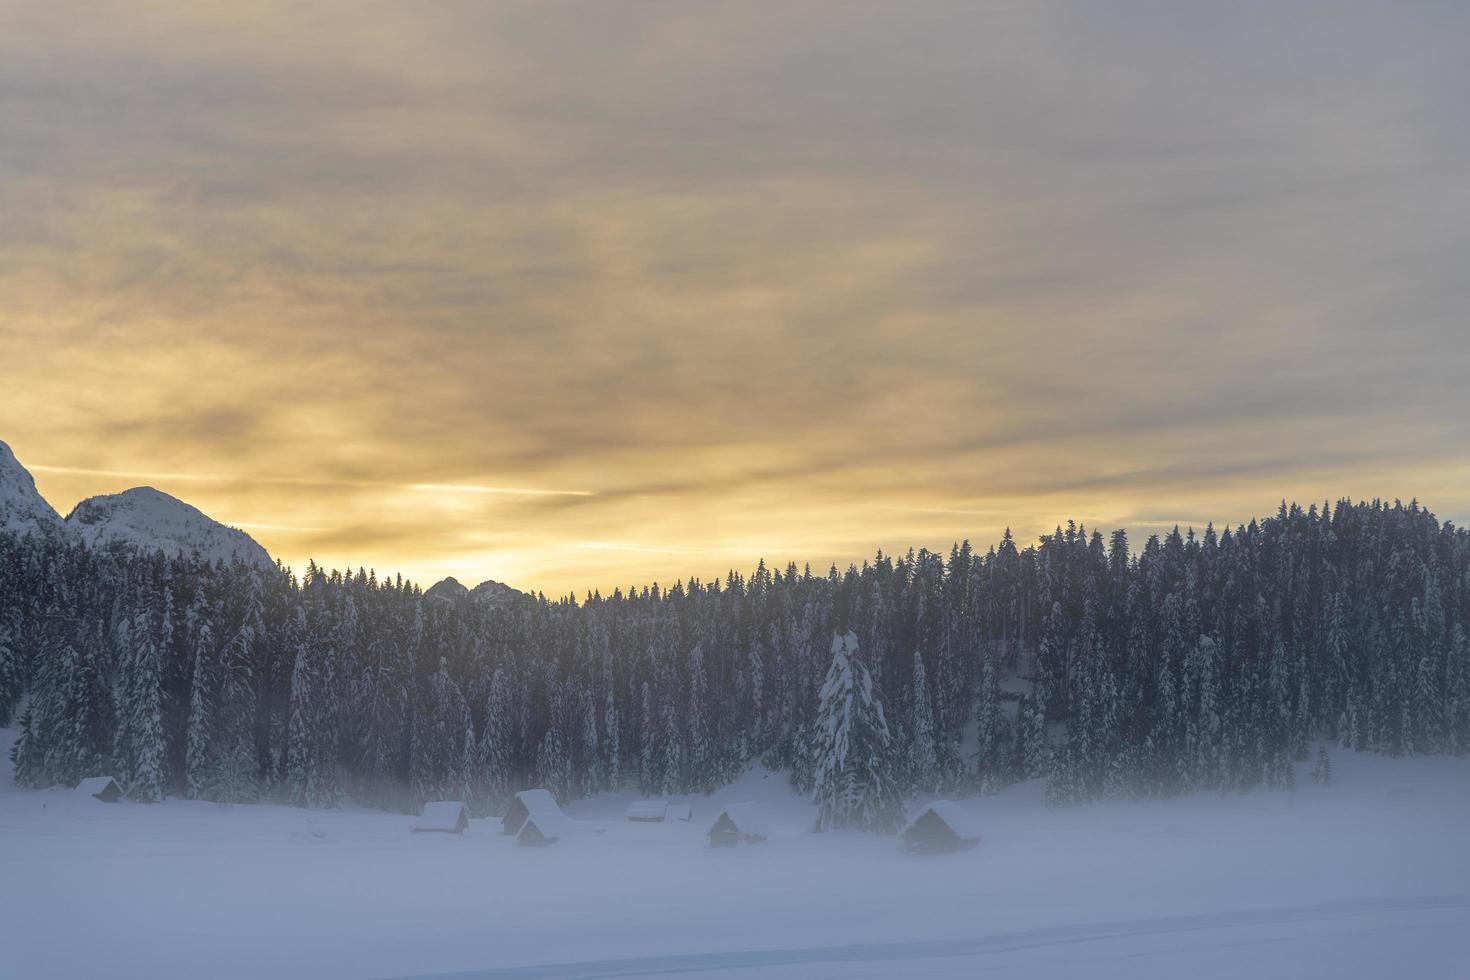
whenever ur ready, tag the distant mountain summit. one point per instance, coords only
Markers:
(152, 520)
(449, 590)
(22, 508)
(493, 593)
(488, 593)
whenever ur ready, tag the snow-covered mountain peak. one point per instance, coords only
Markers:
(22, 508)
(151, 520)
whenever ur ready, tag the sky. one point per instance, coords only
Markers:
(577, 295)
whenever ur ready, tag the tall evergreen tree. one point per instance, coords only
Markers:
(138, 744)
(10, 677)
(923, 762)
(853, 750)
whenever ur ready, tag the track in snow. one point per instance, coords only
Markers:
(1207, 935)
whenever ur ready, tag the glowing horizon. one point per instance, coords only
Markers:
(574, 566)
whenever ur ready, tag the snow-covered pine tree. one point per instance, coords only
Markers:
(700, 762)
(10, 679)
(553, 768)
(232, 768)
(853, 751)
(203, 685)
(1035, 756)
(989, 728)
(590, 760)
(437, 760)
(649, 778)
(497, 738)
(612, 740)
(674, 755)
(1457, 690)
(1322, 771)
(68, 721)
(1428, 707)
(1209, 756)
(923, 764)
(303, 778)
(138, 744)
(1337, 676)
(1064, 779)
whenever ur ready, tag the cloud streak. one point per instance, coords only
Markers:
(306, 482)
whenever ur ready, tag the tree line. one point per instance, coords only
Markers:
(1200, 661)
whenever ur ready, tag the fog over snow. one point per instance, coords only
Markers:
(1367, 878)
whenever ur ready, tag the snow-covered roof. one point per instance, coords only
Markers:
(538, 801)
(527, 802)
(679, 811)
(646, 810)
(550, 825)
(748, 818)
(441, 815)
(93, 785)
(965, 826)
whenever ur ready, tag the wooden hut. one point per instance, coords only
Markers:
(542, 828)
(682, 812)
(740, 822)
(527, 802)
(104, 788)
(443, 817)
(938, 827)
(646, 811)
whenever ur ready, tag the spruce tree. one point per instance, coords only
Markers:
(441, 734)
(988, 726)
(612, 741)
(853, 750)
(923, 763)
(138, 745)
(674, 755)
(1035, 757)
(497, 738)
(553, 768)
(303, 781)
(202, 711)
(1322, 771)
(650, 780)
(10, 679)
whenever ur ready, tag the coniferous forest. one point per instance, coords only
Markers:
(1198, 662)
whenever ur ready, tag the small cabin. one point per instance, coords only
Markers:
(103, 788)
(540, 829)
(741, 822)
(939, 827)
(443, 817)
(646, 811)
(681, 812)
(527, 802)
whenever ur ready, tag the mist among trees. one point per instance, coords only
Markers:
(1207, 661)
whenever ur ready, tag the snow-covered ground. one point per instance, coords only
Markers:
(1369, 878)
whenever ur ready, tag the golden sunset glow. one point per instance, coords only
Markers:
(579, 296)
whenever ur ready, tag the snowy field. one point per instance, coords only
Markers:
(1369, 878)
